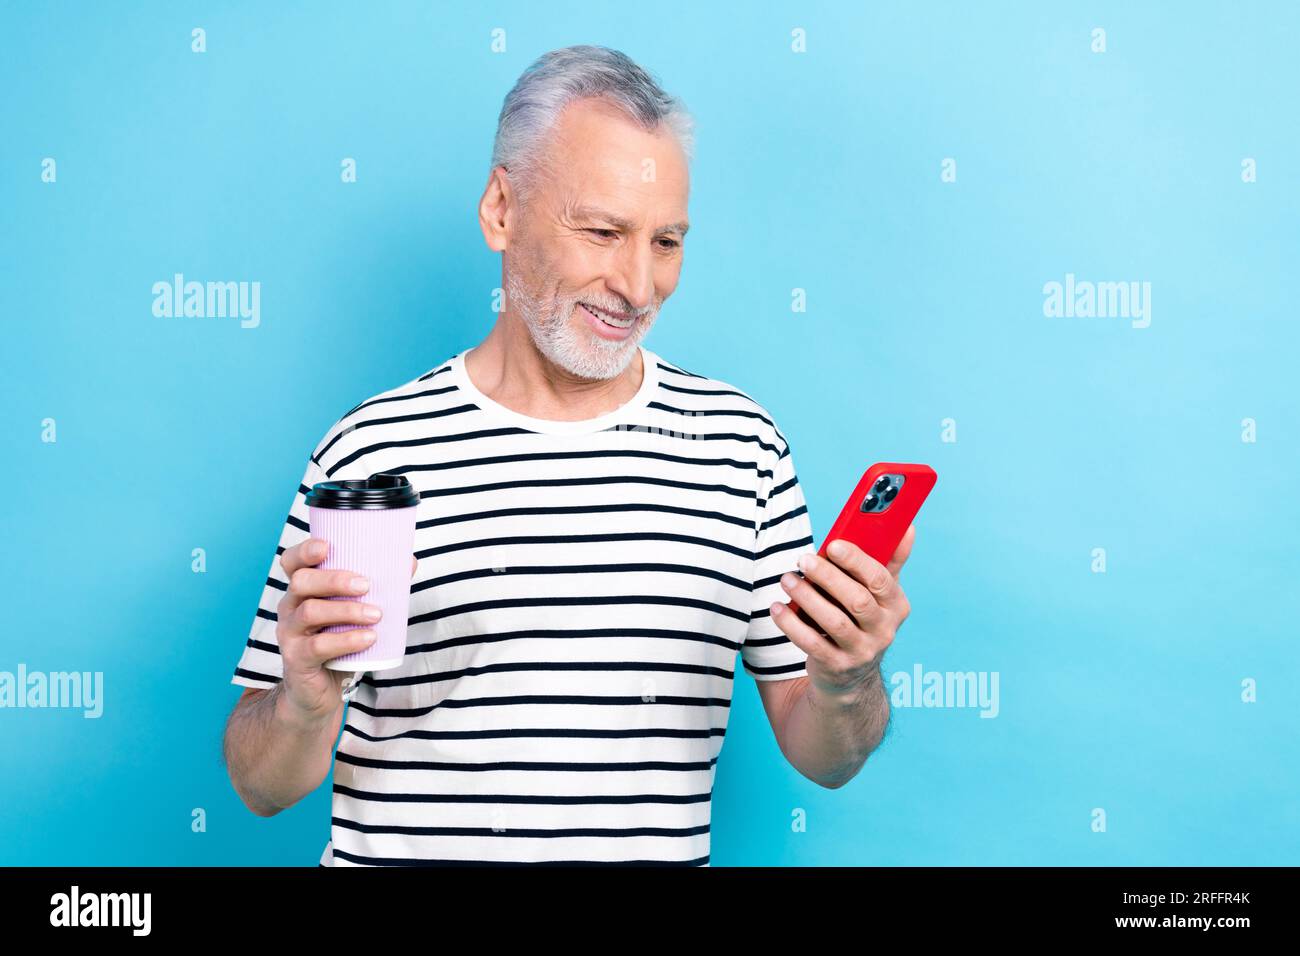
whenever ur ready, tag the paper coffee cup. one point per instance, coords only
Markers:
(369, 525)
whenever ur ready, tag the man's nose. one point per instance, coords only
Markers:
(633, 275)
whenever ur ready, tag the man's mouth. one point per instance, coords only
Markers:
(607, 318)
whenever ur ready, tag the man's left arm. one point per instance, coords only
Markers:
(829, 722)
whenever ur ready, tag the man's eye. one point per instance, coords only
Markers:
(670, 244)
(603, 233)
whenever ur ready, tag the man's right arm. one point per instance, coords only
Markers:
(275, 753)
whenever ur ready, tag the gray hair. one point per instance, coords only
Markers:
(559, 77)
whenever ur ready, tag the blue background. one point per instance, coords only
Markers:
(818, 171)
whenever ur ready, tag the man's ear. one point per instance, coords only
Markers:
(496, 210)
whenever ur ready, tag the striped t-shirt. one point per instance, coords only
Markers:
(581, 592)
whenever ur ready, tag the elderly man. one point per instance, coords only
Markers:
(599, 531)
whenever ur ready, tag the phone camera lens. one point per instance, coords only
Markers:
(889, 495)
(870, 503)
(881, 484)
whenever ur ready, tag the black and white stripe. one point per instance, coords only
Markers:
(580, 598)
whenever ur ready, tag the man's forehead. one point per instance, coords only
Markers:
(597, 153)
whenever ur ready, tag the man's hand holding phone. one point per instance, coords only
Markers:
(846, 609)
(856, 605)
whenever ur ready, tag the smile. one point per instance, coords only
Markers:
(609, 320)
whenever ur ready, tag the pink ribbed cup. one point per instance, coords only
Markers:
(377, 544)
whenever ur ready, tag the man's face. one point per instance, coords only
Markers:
(604, 229)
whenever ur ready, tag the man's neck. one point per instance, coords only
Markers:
(508, 368)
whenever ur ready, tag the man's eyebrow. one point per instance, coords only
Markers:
(618, 222)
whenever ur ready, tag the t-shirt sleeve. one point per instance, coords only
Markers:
(783, 533)
(260, 664)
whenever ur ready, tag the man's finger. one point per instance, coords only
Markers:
(840, 623)
(864, 568)
(304, 554)
(805, 637)
(837, 592)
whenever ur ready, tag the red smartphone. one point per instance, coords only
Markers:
(878, 513)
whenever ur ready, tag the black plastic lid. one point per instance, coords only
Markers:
(379, 491)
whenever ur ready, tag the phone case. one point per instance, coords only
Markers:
(879, 532)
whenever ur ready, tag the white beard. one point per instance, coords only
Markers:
(562, 334)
